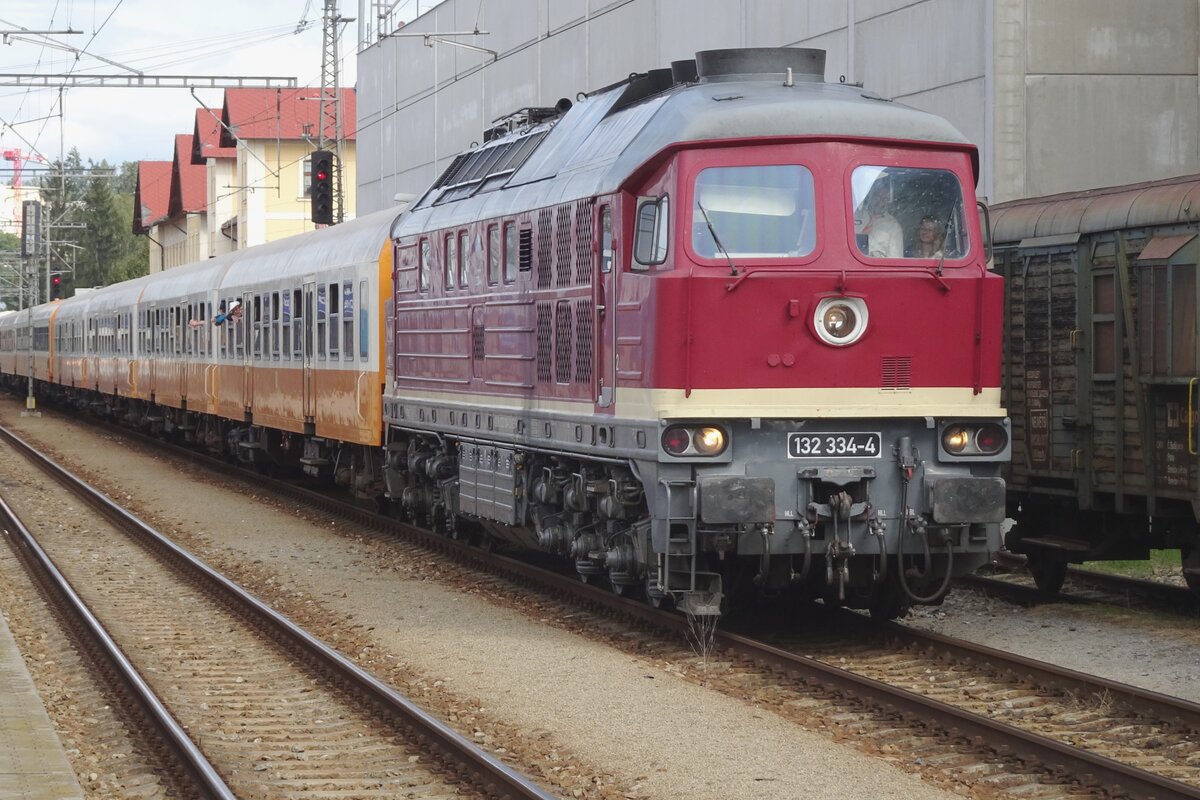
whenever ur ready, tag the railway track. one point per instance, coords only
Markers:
(1012, 582)
(981, 716)
(248, 704)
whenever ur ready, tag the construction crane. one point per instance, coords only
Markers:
(18, 159)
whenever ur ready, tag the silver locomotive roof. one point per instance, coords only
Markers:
(603, 139)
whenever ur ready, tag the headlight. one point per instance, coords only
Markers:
(974, 439)
(956, 439)
(840, 320)
(694, 440)
(709, 441)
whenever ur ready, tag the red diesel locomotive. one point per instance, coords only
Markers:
(720, 329)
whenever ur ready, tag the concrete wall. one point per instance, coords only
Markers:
(419, 106)
(1094, 93)
(1058, 94)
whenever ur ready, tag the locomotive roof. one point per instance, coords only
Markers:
(1162, 202)
(602, 141)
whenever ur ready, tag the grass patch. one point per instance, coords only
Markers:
(1160, 562)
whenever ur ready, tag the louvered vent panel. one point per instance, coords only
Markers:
(545, 339)
(563, 341)
(897, 372)
(526, 249)
(477, 349)
(583, 243)
(562, 246)
(583, 341)
(545, 236)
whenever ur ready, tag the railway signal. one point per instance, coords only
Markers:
(321, 191)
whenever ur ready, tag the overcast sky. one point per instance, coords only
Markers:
(186, 37)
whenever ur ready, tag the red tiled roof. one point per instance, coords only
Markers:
(151, 195)
(189, 182)
(280, 113)
(206, 137)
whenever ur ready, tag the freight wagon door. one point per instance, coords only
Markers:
(604, 286)
(1046, 321)
(1168, 362)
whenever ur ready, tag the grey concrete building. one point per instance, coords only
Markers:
(1059, 95)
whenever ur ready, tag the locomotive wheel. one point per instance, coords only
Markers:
(1048, 573)
(1191, 566)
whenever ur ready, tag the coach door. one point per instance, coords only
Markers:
(605, 296)
(246, 331)
(310, 316)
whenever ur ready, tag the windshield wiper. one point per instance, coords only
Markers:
(716, 239)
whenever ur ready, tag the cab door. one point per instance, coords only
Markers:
(605, 301)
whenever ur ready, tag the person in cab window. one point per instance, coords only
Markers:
(883, 235)
(931, 237)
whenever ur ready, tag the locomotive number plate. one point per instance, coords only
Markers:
(833, 445)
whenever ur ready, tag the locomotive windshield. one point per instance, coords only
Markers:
(906, 212)
(756, 212)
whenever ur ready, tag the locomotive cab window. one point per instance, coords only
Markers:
(754, 212)
(652, 234)
(908, 212)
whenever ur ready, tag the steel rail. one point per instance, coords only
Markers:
(1161, 595)
(488, 773)
(43, 569)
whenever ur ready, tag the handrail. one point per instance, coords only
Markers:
(1192, 417)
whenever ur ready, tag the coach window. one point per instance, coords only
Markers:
(297, 323)
(364, 323)
(450, 260)
(651, 236)
(275, 323)
(348, 320)
(511, 252)
(321, 321)
(239, 334)
(285, 333)
(426, 267)
(464, 247)
(335, 308)
(493, 255)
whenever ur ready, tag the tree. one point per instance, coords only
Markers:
(91, 215)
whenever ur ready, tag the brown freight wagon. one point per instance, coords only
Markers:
(1101, 374)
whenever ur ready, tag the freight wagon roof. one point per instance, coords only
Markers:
(1162, 202)
(595, 149)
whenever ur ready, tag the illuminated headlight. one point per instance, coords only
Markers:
(840, 320)
(974, 439)
(709, 441)
(694, 440)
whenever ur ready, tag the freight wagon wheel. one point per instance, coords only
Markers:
(1191, 566)
(1048, 573)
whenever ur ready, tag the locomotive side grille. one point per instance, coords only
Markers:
(545, 249)
(562, 342)
(896, 373)
(583, 243)
(583, 341)
(563, 249)
(526, 249)
(477, 349)
(544, 337)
